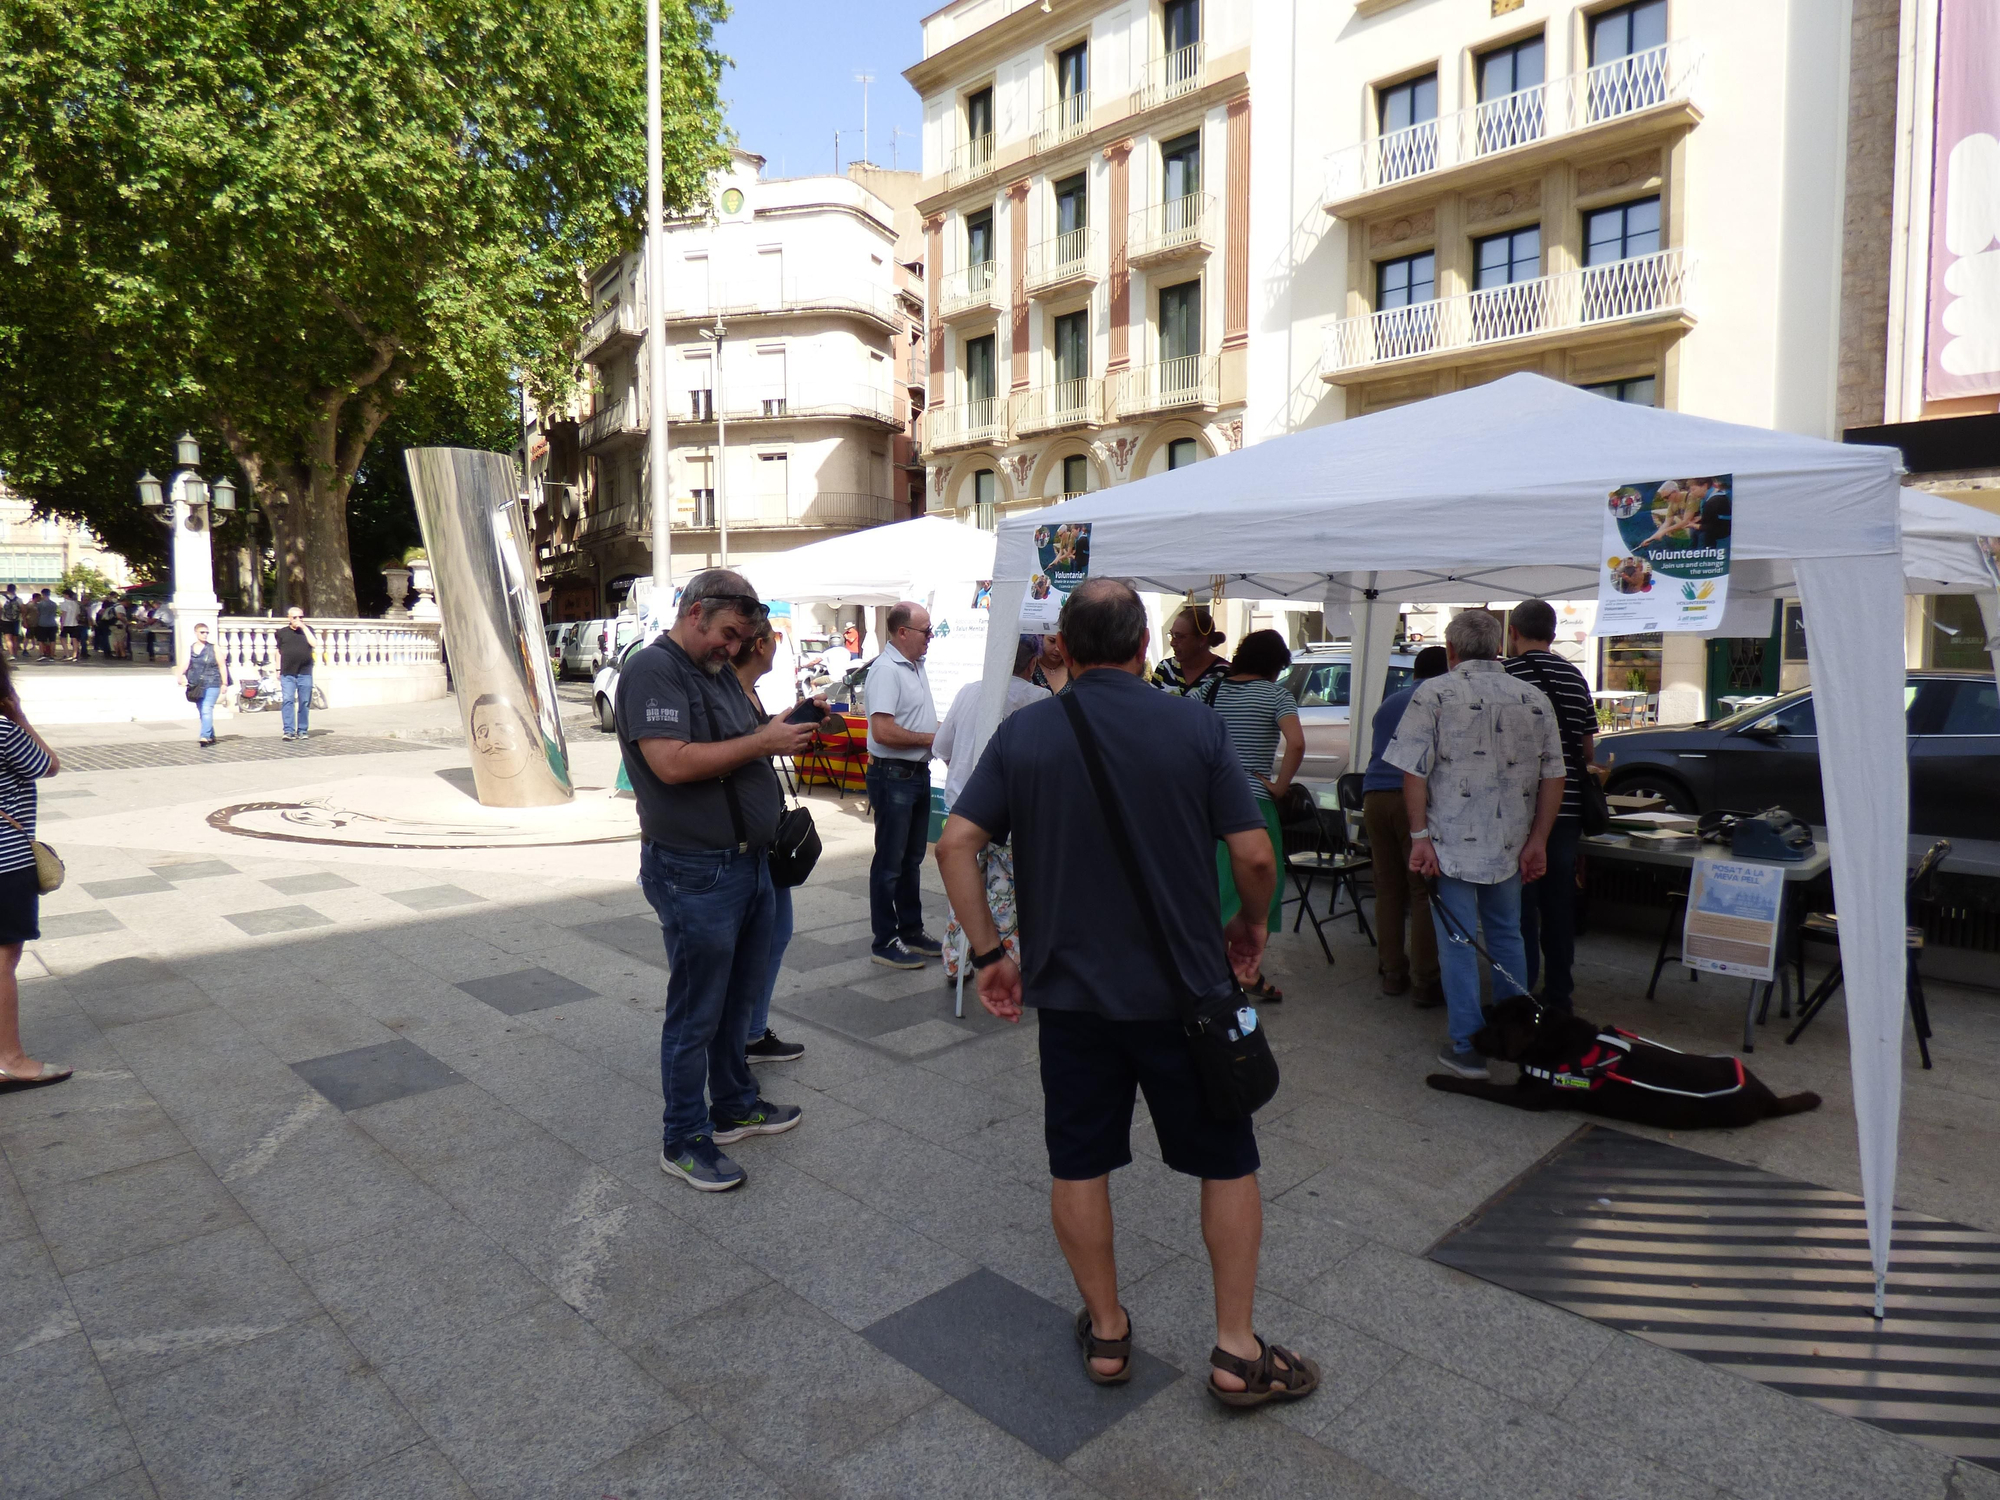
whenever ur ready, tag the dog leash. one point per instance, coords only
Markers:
(1466, 940)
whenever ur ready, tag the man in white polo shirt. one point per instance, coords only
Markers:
(902, 721)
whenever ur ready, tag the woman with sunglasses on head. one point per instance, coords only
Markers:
(25, 757)
(1192, 639)
(203, 668)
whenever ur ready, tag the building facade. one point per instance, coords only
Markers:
(35, 551)
(1085, 203)
(788, 331)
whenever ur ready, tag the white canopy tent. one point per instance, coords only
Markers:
(879, 565)
(1499, 492)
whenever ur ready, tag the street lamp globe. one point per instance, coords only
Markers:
(149, 491)
(187, 452)
(224, 494)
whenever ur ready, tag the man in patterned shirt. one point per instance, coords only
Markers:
(1483, 779)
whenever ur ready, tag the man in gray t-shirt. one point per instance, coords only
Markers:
(708, 808)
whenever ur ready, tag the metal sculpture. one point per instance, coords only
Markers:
(476, 538)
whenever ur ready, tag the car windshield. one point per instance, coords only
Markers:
(1751, 713)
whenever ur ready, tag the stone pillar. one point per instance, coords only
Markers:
(1236, 228)
(194, 602)
(1683, 678)
(1119, 154)
(1017, 308)
(934, 234)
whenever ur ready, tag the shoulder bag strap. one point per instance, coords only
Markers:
(1121, 841)
(728, 780)
(1571, 762)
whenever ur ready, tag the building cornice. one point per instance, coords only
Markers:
(992, 43)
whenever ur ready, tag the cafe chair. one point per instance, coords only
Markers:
(1824, 927)
(1317, 847)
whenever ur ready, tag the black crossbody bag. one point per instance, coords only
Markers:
(795, 847)
(1238, 1073)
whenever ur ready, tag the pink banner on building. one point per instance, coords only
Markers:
(1962, 353)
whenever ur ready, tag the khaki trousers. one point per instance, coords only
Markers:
(1400, 895)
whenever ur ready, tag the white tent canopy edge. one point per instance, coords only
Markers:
(1498, 492)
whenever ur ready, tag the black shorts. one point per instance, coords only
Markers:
(1092, 1070)
(20, 906)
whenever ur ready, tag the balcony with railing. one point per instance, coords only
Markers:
(967, 424)
(754, 298)
(969, 291)
(1177, 229)
(796, 401)
(1634, 92)
(696, 512)
(1559, 309)
(1059, 404)
(1168, 78)
(1194, 380)
(1064, 263)
(1064, 120)
(615, 330)
(619, 426)
(969, 161)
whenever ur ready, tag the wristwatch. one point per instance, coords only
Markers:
(987, 960)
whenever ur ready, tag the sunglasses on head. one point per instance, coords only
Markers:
(749, 604)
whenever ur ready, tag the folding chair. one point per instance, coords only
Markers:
(1315, 847)
(829, 754)
(1347, 789)
(1824, 927)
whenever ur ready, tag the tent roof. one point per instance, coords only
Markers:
(878, 565)
(1939, 553)
(1497, 491)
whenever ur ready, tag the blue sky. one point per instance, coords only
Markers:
(793, 82)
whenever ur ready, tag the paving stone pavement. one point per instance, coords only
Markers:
(365, 1203)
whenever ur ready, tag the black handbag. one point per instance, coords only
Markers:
(795, 847)
(1237, 1071)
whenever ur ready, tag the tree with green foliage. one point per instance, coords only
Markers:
(276, 222)
(84, 580)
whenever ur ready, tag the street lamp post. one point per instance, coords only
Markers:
(186, 503)
(716, 336)
(656, 332)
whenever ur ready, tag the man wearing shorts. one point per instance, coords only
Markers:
(1104, 996)
(48, 621)
(10, 620)
(69, 616)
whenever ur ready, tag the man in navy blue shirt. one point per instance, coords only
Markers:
(1105, 998)
(1399, 895)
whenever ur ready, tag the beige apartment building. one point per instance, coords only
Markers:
(1086, 208)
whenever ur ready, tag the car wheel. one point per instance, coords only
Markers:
(606, 720)
(1649, 783)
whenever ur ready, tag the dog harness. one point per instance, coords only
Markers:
(1602, 1062)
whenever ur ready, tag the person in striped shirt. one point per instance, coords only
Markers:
(24, 758)
(1548, 905)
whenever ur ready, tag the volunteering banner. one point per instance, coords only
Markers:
(1666, 556)
(1062, 562)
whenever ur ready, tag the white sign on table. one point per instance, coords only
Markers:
(1733, 914)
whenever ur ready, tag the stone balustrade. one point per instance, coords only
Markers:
(358, 661)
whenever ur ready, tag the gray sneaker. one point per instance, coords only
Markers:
(1466, 1064)
(765, 1118)
(699, 1164)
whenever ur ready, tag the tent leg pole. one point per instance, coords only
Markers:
(1881, 1286)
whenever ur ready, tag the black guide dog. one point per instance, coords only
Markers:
(1569, 1063)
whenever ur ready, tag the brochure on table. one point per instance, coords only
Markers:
(1666, 556)
(1733, 913)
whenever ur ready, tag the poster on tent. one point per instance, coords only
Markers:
(1666, 556)
(1733, 915)
(1062, 562)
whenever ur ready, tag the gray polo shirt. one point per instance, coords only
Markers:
(900, 688)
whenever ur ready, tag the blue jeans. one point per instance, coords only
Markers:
(715, 910)
(781, 939)
(1496, 908)
(899, 794)
(295, 696)
(1548, 918)
(207, 709)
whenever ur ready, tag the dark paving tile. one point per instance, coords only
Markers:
(58, 794)
(1012, 1358)
(945, 1452)
(132, 1210)
(319, 1412)
(194, 869)
(62, 1432)
(637, 936)
(527, 1401)
(434, 897)
(860, 1015)
(310, 885)
(375, 1075)
(529, 989)
(131, 885)
(71, 924)
(277, 919)
(148, 1313)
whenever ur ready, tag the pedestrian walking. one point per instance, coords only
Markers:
(10, 620)
(1259, 716)
(709, 804)
(1402, 897)
(25, 758)
(1106, 996)
(103, 617)
(1548, 905)
(752, 662)
(1192, 639)
(902, 722)
(203, 671)
(48, 623)
(296, 645)
(1483, 780)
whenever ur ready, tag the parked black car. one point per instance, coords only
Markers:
(1768, 756)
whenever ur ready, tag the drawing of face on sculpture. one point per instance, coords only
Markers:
(501, 737)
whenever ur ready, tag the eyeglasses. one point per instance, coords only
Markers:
(926, 632)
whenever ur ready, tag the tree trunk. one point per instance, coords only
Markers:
(327, 568)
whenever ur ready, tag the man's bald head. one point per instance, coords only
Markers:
(1103, 624)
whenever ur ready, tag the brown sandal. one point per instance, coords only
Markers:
(1264, 1379)
(1096, 1348)
(1262, 989)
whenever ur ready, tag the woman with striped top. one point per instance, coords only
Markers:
(24, 758)
(1259, 716)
